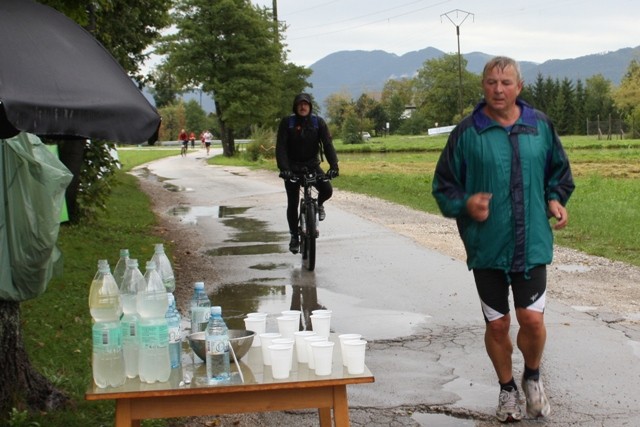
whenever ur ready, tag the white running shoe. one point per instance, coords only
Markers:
(509, 409)
(537, 402)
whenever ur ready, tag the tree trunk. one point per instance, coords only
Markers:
(72, 156)
(22, 386)
(226, 134)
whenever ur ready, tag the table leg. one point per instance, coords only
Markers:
(123, 414)
(325, 417)
(340, 406)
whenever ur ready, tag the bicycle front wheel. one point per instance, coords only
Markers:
(308, 248)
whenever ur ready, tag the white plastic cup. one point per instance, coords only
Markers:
(293, 313)
(257, 315)
(308, 341)
(287, 325)
(355, 350)
(280, 355)
(321, 323)
(301, 345)
(289, 342)
(266, 339)
(257, 325)
(322, 357)
(322, 311)
(343, 338)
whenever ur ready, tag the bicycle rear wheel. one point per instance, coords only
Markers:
(308, 243)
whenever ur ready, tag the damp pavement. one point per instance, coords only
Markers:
(417, 308)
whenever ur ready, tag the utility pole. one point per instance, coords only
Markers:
(275, 19)
(457, 22)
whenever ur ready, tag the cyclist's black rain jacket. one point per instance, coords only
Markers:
(300, 138)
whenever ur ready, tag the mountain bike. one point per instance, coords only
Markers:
(308, 217)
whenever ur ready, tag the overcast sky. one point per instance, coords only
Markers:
(525, 30)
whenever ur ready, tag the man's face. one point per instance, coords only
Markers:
(303, 108)
(501, 88)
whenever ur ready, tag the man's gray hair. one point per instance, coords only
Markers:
(502, 62)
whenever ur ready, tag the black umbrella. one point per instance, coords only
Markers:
(57, 80)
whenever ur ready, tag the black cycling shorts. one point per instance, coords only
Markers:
(529, 290)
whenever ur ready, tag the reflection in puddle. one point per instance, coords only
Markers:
(270, 266)
(176, 188)
(238, 299)
(247, 250)
(190, 214)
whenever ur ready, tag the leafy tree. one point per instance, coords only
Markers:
(196, 117)
(336, 105)
(579, 115)
(231, 48)
(396, 96)
(627, 96)
(351, 126)
(164, 88)
(437, 89)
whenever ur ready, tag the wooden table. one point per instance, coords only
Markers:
(258, 393)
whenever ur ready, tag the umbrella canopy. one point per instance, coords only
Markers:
(57, 80)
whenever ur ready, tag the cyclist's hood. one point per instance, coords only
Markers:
(302, 97)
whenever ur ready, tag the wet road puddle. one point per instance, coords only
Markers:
(263, 295)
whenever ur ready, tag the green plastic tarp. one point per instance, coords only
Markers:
(32, 188)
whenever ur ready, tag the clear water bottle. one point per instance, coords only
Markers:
(106, 307)
(199, 309)
(132, 282)
(121, 266)
(104, 296)
(163, 265)
(217, 345)
(175, 340)
(151, 303)
(107, 357)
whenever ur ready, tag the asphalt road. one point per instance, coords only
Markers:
(417, 308)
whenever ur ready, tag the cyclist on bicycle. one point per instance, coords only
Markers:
(302, 139)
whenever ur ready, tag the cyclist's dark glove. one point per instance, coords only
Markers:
(285, 174)
(333, 172)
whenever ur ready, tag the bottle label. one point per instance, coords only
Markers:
(153, 335)
(217, 344)
(129, 329)
(107, 338)
(174, 334)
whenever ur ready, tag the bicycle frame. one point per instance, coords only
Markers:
(308, 216)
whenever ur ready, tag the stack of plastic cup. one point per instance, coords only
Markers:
(266, 339)
(343, 338)
(321, 323)
(309, 341)
(301, 345)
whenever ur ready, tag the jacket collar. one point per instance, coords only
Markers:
(526, 121)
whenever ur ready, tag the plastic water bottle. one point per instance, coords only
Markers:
(104, 296)
(132, 282)
(106, 307)
(121, 266)
(151, 303)
(175, 341)
(163, 265)
(199, 309)
(217, 345)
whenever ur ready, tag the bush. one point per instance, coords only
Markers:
(262, 145)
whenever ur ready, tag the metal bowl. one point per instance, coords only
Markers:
(240, 340)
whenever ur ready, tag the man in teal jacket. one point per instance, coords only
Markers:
(502, 174)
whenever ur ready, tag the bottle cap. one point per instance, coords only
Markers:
(151, 265)
(124, 253)
(132, 262)
(199, 285)
(216, 309)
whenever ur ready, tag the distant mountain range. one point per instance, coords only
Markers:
(357, 72)
(361, 71)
